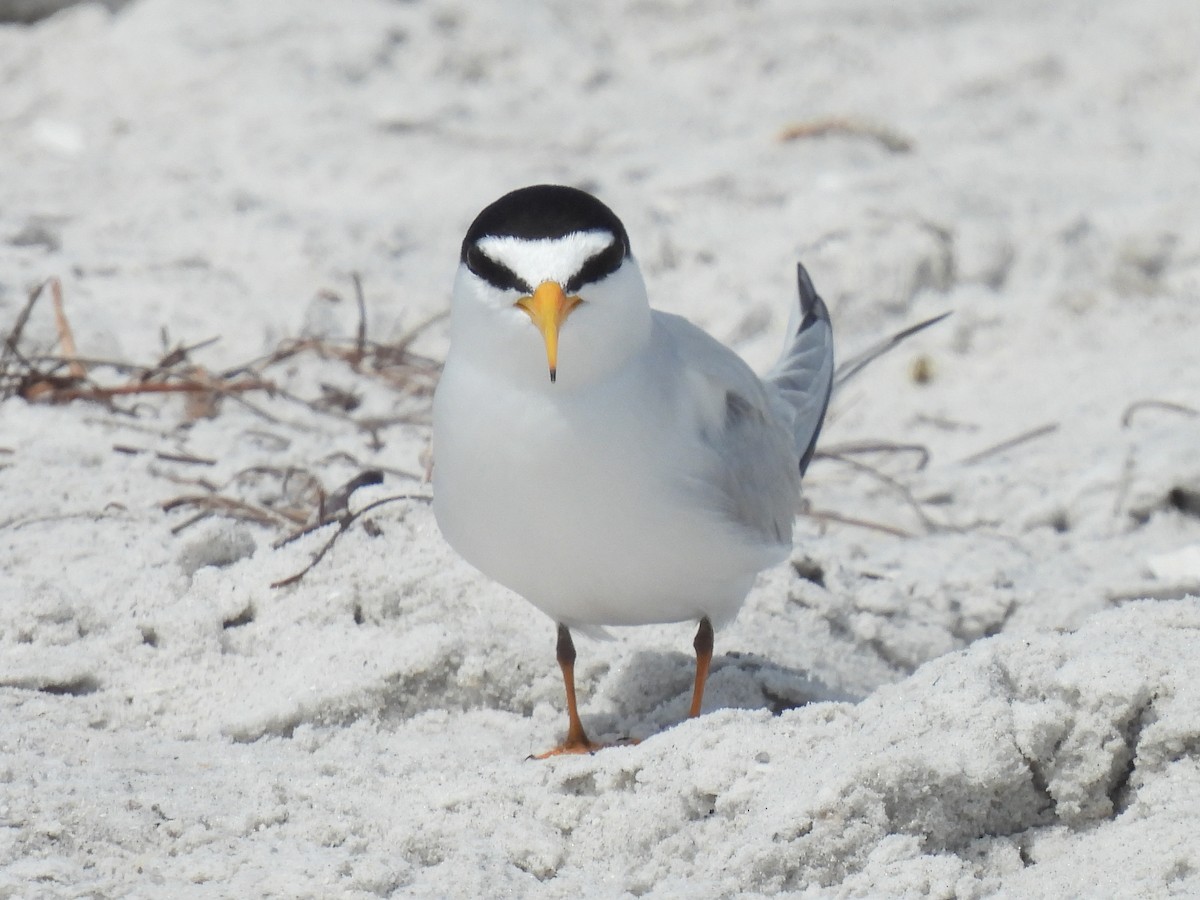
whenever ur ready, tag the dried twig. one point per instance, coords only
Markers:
(902, 490)
(944, 423)
(337, 503)
(343, 523)
(297, 485)
(854, 448)
(888, 138)
(827, 516)
(360, 342)
(1152, 592)
(66, 339)
(165, 457)
(393, 363)
(64, 378)
(215, 504)
(68, 376)
(14, 336)
(1022, 438)
(350, 459)
(176, 356)
(1137, 406)
(335, 507)
(1124, 483)
(55, 394)
(406, 339)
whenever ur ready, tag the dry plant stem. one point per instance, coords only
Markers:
(1124, 484)
(944, 423)
(841, 451)
(323, 520)
(315, 407)
(14, 336)
(283, 473)
(110, 511)
(203, 483)
(1024, 437)
(66, 339)
(165, 457)
(902, 490)
(889, 139)
(67, 394)
(824, 516)
(95, 362)
(392, 362)
(263, 414)
(360, 342)
(350, 459)
(12, 377)
(300, 500)
(1137, 406)
(176, 357)
(219, 503)
(416, 331)
(343, 524)
(370, 426)
(229, 506)
(1154, 592)
(338, 502)
(45, 380)
(64, 378)
(188, 523)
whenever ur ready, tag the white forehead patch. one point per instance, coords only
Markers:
(546, 259)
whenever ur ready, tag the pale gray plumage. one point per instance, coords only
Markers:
(753, 467)
(803, 375)
(635, 470)
(658, 474)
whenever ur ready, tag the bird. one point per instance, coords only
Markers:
(612, 464)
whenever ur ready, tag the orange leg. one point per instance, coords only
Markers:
(704, 650)
(577, 740)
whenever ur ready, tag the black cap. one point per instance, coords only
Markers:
(539, 212)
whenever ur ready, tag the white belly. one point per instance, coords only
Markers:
(593, 509)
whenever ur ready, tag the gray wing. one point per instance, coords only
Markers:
(753, 475)
(803, 374)
(761, 480)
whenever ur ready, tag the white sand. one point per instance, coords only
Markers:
(988, 706)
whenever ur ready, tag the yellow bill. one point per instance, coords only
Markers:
(549, 307)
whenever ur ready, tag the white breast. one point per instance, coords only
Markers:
(590, 504)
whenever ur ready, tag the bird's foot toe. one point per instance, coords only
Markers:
(579, 746)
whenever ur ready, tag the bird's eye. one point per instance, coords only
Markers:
(496, 274)
(598, 267)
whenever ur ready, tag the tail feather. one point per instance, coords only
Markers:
(851, 367)
(803, 374)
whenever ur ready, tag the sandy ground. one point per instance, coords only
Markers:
(997, 692)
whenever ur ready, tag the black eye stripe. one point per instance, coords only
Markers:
(599, 266)
(501, 276)
(494, 273)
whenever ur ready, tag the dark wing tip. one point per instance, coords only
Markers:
(812, 307)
